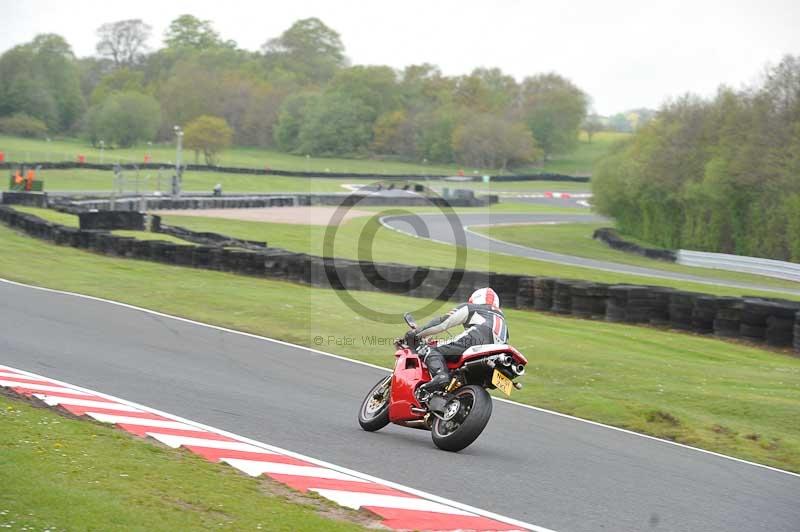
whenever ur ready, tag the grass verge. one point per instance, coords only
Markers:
(576, 239)
(723, 396)
(59, 473)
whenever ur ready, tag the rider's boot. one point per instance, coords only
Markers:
(440, 375)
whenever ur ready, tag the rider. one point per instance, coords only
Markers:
(483, 322)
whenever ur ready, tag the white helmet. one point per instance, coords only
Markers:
(485, 296)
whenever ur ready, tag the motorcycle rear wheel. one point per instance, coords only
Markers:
(374, 412)
(465, 427)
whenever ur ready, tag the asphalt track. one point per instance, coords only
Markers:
(437, 227)
(535, 466)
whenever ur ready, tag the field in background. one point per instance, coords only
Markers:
(717, 395)
(79, 475)
(148, 181)
(16, 149)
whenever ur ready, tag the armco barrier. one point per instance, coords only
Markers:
(773, 322)
(67, 165)
(738, 263)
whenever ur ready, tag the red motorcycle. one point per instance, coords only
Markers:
(455, 416)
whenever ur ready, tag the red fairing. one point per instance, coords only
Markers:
(408, 372)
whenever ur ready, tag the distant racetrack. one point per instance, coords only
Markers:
(439, 230)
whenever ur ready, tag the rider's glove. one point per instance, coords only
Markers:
(411, 338)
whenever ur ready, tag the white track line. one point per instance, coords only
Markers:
(55, 400)
(19, 376)
(39, 387)
(143, 421)
(356, 500)
(317, 351)
(177, 441)
(256, 468)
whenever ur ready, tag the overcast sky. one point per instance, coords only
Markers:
(624, 54)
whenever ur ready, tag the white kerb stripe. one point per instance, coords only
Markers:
(40, 387)
(160, 423)
(177, 441)
(21, 376)
(255, 468)
(54, 400)
(356, 500)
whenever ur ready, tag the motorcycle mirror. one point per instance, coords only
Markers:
(410, 320)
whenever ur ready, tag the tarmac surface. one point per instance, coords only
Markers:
(536, 466)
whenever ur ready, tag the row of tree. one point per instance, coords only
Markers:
(298, 94)
(720, 175)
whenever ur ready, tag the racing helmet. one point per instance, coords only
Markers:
(485, 296)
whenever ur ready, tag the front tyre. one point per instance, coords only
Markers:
(466, 425)
(374, 412)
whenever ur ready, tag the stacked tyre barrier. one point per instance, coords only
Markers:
(154, 203)
(30, 199)
(728, 319)
(614, 241)
(768, 322)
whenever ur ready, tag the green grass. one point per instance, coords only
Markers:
(722, 396)
(391, 246)
(576, 239)
(70, 220)
(502, 207)
(148, 181)
(28, 150)
(63, 474)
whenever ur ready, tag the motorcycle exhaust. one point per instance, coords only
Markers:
(519, 369)
(506, 360)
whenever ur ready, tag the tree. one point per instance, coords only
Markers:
(124, 42)
(22, 125)
(208, 134)
(393, 133)
(309, 49)
(487, 141)
(189, 32)
(121, 80)
(715, 175)
(123, 119)
(41, 79)
(336, 124)
(619, 122)
(291, 117)
(553, 108)
(592, 125)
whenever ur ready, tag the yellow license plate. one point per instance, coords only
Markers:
(502, 382)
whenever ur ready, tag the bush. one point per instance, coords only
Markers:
(22, 125)
(209, 135)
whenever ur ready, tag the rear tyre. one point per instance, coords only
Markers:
(465, 427)
(374, 412)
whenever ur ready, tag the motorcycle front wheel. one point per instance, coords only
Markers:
(474, 410)
(374, 412)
